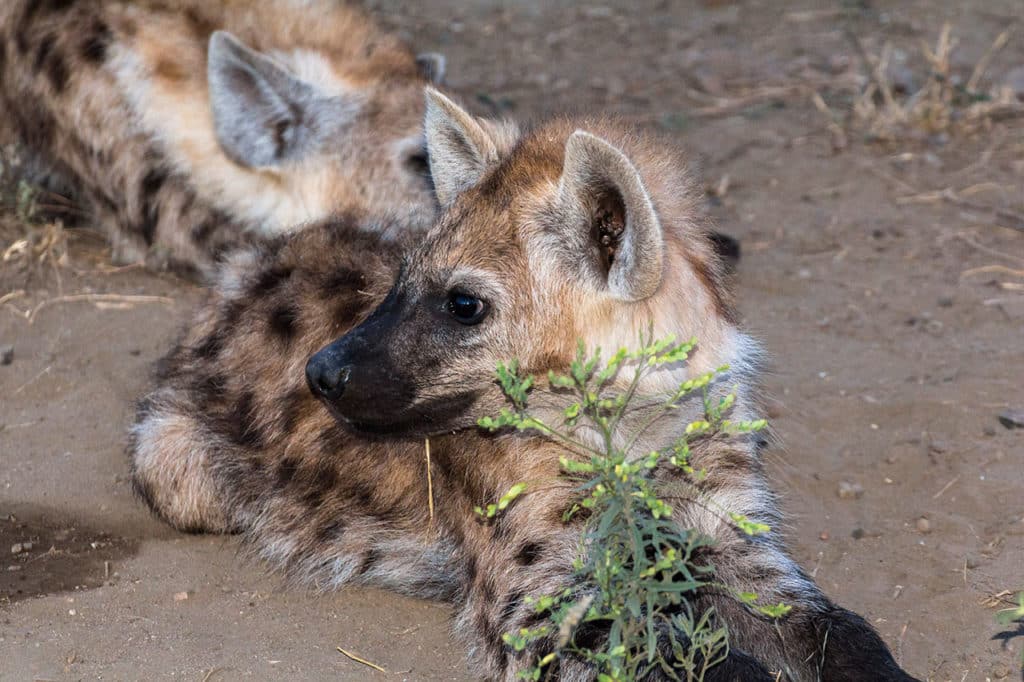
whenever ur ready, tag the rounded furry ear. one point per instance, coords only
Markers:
(601, 193)
(460, 149)
(433, 66)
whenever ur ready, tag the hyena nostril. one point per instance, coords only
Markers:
(326, 380)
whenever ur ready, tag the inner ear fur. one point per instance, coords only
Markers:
(602, 194)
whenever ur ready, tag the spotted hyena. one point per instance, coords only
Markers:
(184, 124)
(296, 407)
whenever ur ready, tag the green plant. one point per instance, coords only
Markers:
(638, 567)
(1014, 614)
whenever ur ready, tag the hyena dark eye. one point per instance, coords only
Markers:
(418, 162)
(465, 308)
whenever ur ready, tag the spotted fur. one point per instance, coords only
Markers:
(334, 491)
(113, 96)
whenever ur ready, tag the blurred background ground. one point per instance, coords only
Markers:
(872, 164)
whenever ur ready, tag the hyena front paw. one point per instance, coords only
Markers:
(171, 472)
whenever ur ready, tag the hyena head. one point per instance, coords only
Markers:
(334, 132)
(580, 230)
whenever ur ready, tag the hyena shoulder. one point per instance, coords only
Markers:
(183, 125)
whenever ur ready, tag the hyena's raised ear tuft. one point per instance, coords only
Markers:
(262, 114)
(460, 149)
(433, 66)
(609, 213)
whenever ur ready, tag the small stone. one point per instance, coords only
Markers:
(72, 612)
(19, 547)
(945, 302)
(850, 491)
(972, 561)
(923, 525)
(1012, 419)
(6, 355)
(180, 596)
(823, 536)
(989, 431)
(14, 567)
(857, 533)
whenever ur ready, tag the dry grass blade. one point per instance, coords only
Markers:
(982, 66)
(98, 299)
(430, 483)
(357, 659)
(1011, 219)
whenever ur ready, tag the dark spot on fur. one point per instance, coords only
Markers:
(471, 569)
(511, 606)
(270, 279)
(208, 390)
(246, 431)
(21, 40)
(283, 320)
(342, 280)
(488, 591)
(94, 47)
(50, 6)
(202, 230)
(198, 25)
(210, 347)
(285, 472)
(329, 532)
(57, 72)
(150, 186)
(370, 559)
(317, 482)
(529, 553)
(590, 636)
(43, 51)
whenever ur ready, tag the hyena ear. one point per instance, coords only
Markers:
(460, 149)
(433, 66)
(262, 114)
(606, 210)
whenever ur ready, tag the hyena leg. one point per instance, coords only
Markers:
(815, 640)
(171, 468)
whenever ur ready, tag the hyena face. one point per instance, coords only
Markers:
(559, 238)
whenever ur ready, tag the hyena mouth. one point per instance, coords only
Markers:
(376, 419)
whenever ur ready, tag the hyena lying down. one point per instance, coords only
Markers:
(575, 230)
(184, 123)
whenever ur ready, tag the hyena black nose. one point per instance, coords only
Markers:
(326, 378)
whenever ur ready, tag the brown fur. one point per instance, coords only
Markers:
(112, 96)
(231, 439)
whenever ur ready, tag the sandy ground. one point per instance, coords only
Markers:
(892, 355)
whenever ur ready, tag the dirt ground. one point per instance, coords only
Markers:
(895, 329)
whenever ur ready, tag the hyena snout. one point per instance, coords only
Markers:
(326, 376)
(358, 384)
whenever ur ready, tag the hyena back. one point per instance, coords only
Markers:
(575, 230)
(184, 124)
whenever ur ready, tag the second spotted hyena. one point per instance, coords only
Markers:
(183, 124)
(295, 408)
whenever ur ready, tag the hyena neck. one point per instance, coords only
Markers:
(650, 423)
